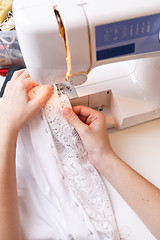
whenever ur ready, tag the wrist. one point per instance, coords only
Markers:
(106, 163)
(8, 141)
(8, 127)
(8, 133)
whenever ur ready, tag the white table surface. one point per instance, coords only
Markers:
(139, 147)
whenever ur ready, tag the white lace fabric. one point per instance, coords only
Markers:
(60, 192)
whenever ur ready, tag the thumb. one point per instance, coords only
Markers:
(74, 120)
(41, 96)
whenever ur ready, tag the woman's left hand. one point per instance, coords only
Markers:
(17, 108)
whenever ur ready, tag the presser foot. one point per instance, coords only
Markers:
(66, 88)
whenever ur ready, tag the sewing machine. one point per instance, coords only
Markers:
(124, 85)
(102, 54)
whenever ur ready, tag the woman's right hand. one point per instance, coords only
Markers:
(142, 196)
(91, 126)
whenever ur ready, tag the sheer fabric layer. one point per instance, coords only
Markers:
(61, 195)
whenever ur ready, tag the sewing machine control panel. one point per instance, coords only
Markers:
(132, 36)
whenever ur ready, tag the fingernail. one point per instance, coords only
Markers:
(51, 86)
(67, 111)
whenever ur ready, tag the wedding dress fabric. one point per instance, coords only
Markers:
(61, 195)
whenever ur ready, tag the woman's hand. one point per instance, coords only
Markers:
(17, 108)
(91, 126)
(141, 195)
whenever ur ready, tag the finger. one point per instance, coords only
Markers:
(28, 84)
(84, 111)
(74, 120)
(33, 92)
(17, 74)
(41, 97)
(82, 118)
(91, 115)
(25, 74)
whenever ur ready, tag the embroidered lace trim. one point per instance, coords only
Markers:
(85, 183)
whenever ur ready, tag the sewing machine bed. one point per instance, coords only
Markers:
(138, 146)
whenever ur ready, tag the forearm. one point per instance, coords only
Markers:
(140, 194)
(9, 217)
(17, 107)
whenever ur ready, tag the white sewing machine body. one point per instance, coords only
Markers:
(98, 35)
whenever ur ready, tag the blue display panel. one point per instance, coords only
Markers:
(133, 36)
(115, 52)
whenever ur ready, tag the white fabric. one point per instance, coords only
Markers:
(61, 195)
